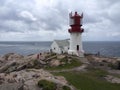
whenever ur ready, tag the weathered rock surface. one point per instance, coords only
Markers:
(27, 79)
(112, 79)
(11, 56)
(12, 86)
(55, 62)
(19, 72)
(104, 62)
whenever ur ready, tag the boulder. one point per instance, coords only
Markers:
(11, 56)
(15, 57)
(6, 56)
(7, 66)
(112, 79)
(11, 86)
(61, 78)
(60, 56)
(31, 85)
(21, 67)
(2, 80)
(55, 62)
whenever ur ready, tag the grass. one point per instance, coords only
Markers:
(74, 63)
(91, 80)
(46, 85)
(66, 88)
(96, 72)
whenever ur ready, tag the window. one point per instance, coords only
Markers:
(77, 47)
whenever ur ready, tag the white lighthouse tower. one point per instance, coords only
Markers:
(75, 22)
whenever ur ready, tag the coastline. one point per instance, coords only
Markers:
(28, 70)
(109, 49)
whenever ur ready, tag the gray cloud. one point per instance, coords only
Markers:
(114, 13)
(26, 16)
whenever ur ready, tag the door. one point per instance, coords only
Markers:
(77, 47)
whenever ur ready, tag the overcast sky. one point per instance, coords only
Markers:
(46, 20)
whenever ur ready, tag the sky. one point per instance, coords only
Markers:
(46, 20)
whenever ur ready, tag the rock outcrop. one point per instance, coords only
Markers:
(19, 72)
(112, 79)
(27, 79)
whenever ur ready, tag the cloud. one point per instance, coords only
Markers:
(12, 26)
(27, 16)
(113, 34)
(48, 19)
(114, 13)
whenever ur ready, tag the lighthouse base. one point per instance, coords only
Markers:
(75, 52)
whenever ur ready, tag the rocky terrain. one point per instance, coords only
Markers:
(19, 72)
(109, 64)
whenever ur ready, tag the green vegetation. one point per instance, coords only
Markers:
(46, 85)
(36, 64)
(50, 55)
(67, 64)
(97, 73)
(115, 65)
(66, 88)
(90, 80)
(112, 66)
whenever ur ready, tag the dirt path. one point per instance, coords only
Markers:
(80, 68)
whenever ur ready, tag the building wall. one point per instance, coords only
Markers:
(66, 48)
(55, 48)
(75, 39)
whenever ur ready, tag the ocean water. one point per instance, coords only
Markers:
(111, 49)
(24, 48)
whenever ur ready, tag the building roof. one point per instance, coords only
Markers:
(62, 43)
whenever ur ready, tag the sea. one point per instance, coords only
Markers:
(105, 48)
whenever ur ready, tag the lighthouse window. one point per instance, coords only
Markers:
(68, 47)
(54, 48)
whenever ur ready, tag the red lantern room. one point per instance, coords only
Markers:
(75, 21)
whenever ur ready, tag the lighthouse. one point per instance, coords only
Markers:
(75, 22)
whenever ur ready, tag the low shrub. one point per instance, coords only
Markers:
(66, 88)
(47, 85)
(115, 65)
(36, 64)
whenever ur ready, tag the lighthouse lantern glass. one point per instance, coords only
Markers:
(71, 22)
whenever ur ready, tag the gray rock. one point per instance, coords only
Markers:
(7, 66)
(11, 86)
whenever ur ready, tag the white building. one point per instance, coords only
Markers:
(74, 45)
(60, 46)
